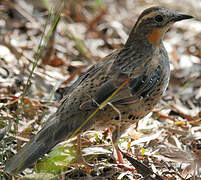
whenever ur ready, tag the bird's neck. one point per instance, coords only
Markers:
(150, 37)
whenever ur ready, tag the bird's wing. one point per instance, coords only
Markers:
(140, 85)
(117, 73)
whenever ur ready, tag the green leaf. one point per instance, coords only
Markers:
(58, 159)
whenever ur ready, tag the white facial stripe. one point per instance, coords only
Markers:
(152, 14)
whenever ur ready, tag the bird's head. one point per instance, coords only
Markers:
(154, 22)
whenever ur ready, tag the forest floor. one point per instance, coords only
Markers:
(37, 67)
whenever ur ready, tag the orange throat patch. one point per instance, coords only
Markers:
(155, 36)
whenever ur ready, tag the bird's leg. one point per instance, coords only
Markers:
(81, 159)
(116, 135)
(79, 144)
(119, 154)
(116, 132)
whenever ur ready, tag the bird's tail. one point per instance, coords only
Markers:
(37, 147)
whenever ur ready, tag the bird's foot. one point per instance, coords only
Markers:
(120, 161)
(119, 155)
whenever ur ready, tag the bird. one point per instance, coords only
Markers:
(124, 86)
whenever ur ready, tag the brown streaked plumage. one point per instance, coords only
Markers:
(143, 61)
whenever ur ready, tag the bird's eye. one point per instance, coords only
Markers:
(159, 18)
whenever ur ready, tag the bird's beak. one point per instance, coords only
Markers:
(179, 17)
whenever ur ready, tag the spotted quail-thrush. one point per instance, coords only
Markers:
(142, 63)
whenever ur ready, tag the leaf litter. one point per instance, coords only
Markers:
(165, 144)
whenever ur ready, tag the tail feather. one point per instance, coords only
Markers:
(57, 128)
(31, 152)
